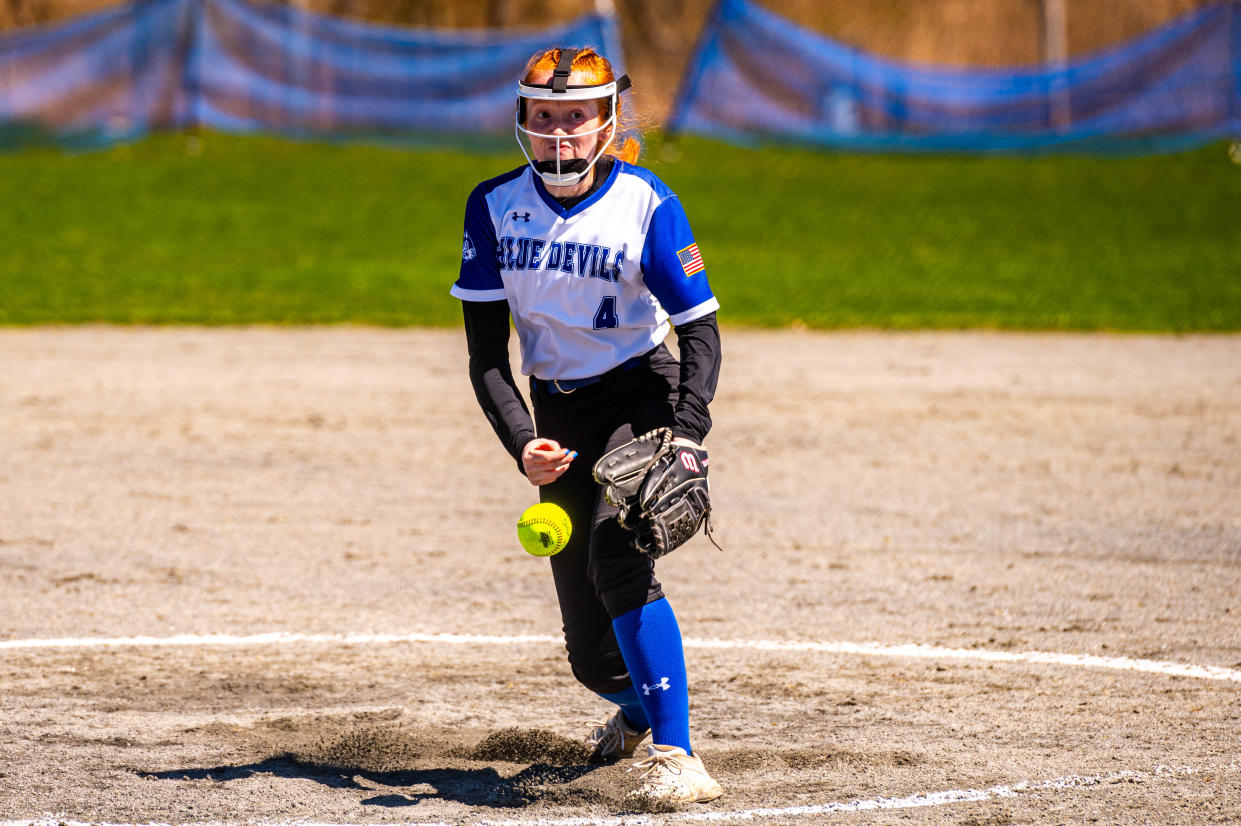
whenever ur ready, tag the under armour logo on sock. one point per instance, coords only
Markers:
(663, 683)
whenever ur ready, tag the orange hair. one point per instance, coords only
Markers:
(596, 69)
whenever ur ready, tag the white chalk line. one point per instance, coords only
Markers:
(913, 801)
(866, 649)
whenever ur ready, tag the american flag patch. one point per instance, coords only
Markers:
(691, 260)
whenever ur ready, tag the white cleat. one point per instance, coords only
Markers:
(671, 776)
(612, 739)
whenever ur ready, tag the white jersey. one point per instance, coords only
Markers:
(589, 287)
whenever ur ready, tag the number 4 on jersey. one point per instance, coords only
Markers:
(605, 316)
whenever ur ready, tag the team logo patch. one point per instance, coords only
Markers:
(691, 260)
(467, 249)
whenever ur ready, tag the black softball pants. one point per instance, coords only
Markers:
(600, 575)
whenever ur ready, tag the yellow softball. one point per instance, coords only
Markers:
(544, 529)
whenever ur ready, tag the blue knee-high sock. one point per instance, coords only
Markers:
(650, 642)
(631, 704)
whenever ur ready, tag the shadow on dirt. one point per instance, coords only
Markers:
(482, 786)
(405, 766)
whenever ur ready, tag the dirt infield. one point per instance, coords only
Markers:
(983, 493)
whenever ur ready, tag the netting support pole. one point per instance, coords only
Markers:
(1055, 55)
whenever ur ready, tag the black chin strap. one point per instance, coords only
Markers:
(573, 166)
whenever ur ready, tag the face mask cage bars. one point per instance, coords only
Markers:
(570, 171)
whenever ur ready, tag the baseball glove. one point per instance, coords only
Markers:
(661, 489)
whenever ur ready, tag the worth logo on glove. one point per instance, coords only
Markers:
(660, 490)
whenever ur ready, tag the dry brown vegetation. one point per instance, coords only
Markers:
(658, 35)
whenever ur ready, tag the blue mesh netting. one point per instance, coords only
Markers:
(757, 76)
(238, 66)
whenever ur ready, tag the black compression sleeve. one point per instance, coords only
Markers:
(699, 343)
(486, 335)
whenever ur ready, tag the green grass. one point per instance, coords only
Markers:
(255, 230)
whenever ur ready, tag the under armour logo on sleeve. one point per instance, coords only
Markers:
(521, 216)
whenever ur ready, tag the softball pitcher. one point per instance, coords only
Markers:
(593, 258)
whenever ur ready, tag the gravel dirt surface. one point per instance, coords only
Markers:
(977, 491)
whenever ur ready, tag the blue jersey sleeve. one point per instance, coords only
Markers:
(480, 271)
(672, 266)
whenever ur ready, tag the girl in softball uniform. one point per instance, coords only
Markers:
(593, 259)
